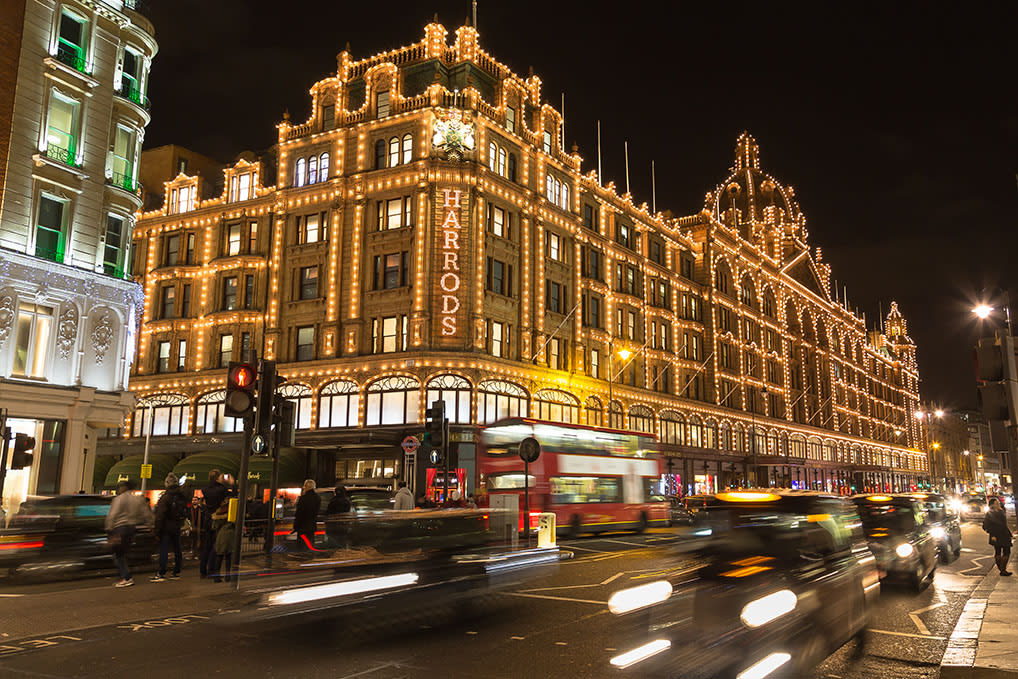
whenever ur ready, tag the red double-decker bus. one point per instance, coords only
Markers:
(592, 479)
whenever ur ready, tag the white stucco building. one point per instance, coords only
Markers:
(73, 112)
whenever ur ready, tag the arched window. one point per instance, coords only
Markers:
(673, 427)
(313, 170)
(323, 167)
(455, 391)
(408, 148)
(210, 416)
(797, 446)
(725, 438)
(556, 406)
(768, 303)
(616, 417)
(695, 431)
(337, 405)
(300, 396)
(298, 175)
(393, 400)
(497, 400)
(830, 451)
(739, 438)
(565, 197)
(492, 157)
(594, 410)
(394, 152)
(746, 294)
(815, 449)
(169, 415)
(722, 277)
(549, 185)
(501, 161)
(379, 154)
(512, 167)
(641, 418)
(772, 442)
(710, 434)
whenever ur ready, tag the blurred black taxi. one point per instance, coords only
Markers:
(65, 533)
(785, 579)
(899, 537)
(944, 524)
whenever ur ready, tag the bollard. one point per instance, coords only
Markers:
(546, 530)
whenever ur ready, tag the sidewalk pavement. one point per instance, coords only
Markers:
(984, 644)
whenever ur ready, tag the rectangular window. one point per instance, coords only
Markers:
(229, 293)
(497, 223)
(382, 104)
(172, 250)
(499, 336)
(71, 42)
(623, 234)
(131, 75)
(185, 301)
(592, 311)
(113, 247)
(233, 236)
(555, 297)
(390, 334)
(328, 116)
(249, 283)
(555, 247)
(252, 237)
(123, 158)
(595, 363)
(49, 230)
(308, 282)
(306, 343)
(163, 362)
(631, 325)
(590, 217)
(725, 354)
(546, 142)
(225, 350)
(724, 318)
(245, 343)
(510, 118)
(31, 345)
(394, 270)
(169, 302)
(555, 354)
(189, 248)
(62, 128)
(181, 355)
(656, 252)
(686, 267)
(308, 229)
(497, 279)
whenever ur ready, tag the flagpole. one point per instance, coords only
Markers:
(599, 153)
(653, 189)
(627, 167)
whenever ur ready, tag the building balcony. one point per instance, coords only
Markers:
(130, 92)
(125, 182)
(61, 155)
(70, 57)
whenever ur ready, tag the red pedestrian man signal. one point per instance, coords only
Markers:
(240, 390)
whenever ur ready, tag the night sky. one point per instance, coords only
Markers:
(897, 123)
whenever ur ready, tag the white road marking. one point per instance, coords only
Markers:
(557, 598)
(972, 568)
(596, 584)
(517, 638)
(967, 549)
(11, 596)
(561, 643)
(588, 549)
(919, 623)
(907, 634)
(623, 542)
(472, 633)
(371, 671)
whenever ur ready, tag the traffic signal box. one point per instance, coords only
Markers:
(993, 365)
(23, 447)
(241, 382)
(437, 428)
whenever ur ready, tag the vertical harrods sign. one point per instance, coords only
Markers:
(449, 273)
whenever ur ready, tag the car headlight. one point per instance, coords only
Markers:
(904, 550)
(938, 532)
(761, 611)
(626, 600)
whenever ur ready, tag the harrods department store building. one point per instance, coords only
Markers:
(427, 236)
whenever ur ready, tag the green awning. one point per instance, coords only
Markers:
(103, 464)
(129, 469)
(291, 469)
(197, 466)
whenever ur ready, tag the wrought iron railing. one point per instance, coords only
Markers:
(56, 255)
(129, 91)
(60, 154)
(124, 181)
(114, 271)
(70, 56)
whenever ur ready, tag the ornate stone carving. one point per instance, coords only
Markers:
(6, 317)
(102, 336)
(454, 134)
(67, 330)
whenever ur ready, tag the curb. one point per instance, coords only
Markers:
(960, 656)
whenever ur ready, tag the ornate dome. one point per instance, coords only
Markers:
(752, 197)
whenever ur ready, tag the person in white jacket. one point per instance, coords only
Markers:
(127, 512)
(404, 498)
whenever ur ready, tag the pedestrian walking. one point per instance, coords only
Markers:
(995, 523)
(213, 496)
(171, 511)
(306, 520)
(337, 527)
(224, 531)
(404, 498)
(127, 512)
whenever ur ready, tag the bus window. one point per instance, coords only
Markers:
(509, 481)
(652, 489)
(585, 489)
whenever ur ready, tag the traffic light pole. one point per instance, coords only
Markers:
(270, 528)
(238, 535)
(5, 443)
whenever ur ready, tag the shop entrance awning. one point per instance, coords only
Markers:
(129, 469)
(291, 469)
(196, 467)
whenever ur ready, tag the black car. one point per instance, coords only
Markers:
(785, 579)
(944, 524)
(679, 515)
(899, 537)
(55, 535)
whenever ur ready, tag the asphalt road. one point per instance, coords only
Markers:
(557, 626)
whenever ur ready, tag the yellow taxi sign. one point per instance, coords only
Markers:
(748, 496)
(817, 518)
(879, 498)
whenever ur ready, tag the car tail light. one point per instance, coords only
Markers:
(22, 544)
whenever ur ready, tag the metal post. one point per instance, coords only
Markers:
(148, 441)
(5, 442)
(526, 501)
(238, 535)
(270, 527)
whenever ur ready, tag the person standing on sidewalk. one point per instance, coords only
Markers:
(306, 520)
(213, 495)
(404, 500)
(127, 512)
(995, 523)
(171, 510)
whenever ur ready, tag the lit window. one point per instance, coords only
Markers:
(492, 157)
(498, 220)
(382, 104)
(408, 148)
(338, 404)
(233, 237)
(62, 128)
(498, 339)
(31, 345)
(225, 350)
(501, 162)
(323, 167)
(124, 148)
(555, 354)
(309, 231)
(163, 362)
(49, 230)
(393, 213)
(393, 400)
(555, 247)
(595, 363)
(393, 270)
(181, 355)
(565, 197)
(631, 327)
(229, 293)
(313, 170)
(240, 187)
(510, 118)
(299, 173)
(390, 334)
(305, 343)
(308, 282)
(252, 237)
(546, 144)
(394, 152)
(169, 302)
(113, 247)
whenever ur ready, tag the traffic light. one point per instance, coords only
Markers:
(240, 389)
(992, 367)
(284, 417)
(23, 447)
(268, 382)
(437, 428)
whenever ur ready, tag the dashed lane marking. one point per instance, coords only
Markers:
(561, 643)
(517, 638)
(559, 587)
(557, 598)
(907, 634)
(11, 596)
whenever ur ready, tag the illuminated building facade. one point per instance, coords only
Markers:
(73, 112)
(429, 237)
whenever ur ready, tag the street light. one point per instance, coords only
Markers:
(624, 354)
(983, 311)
